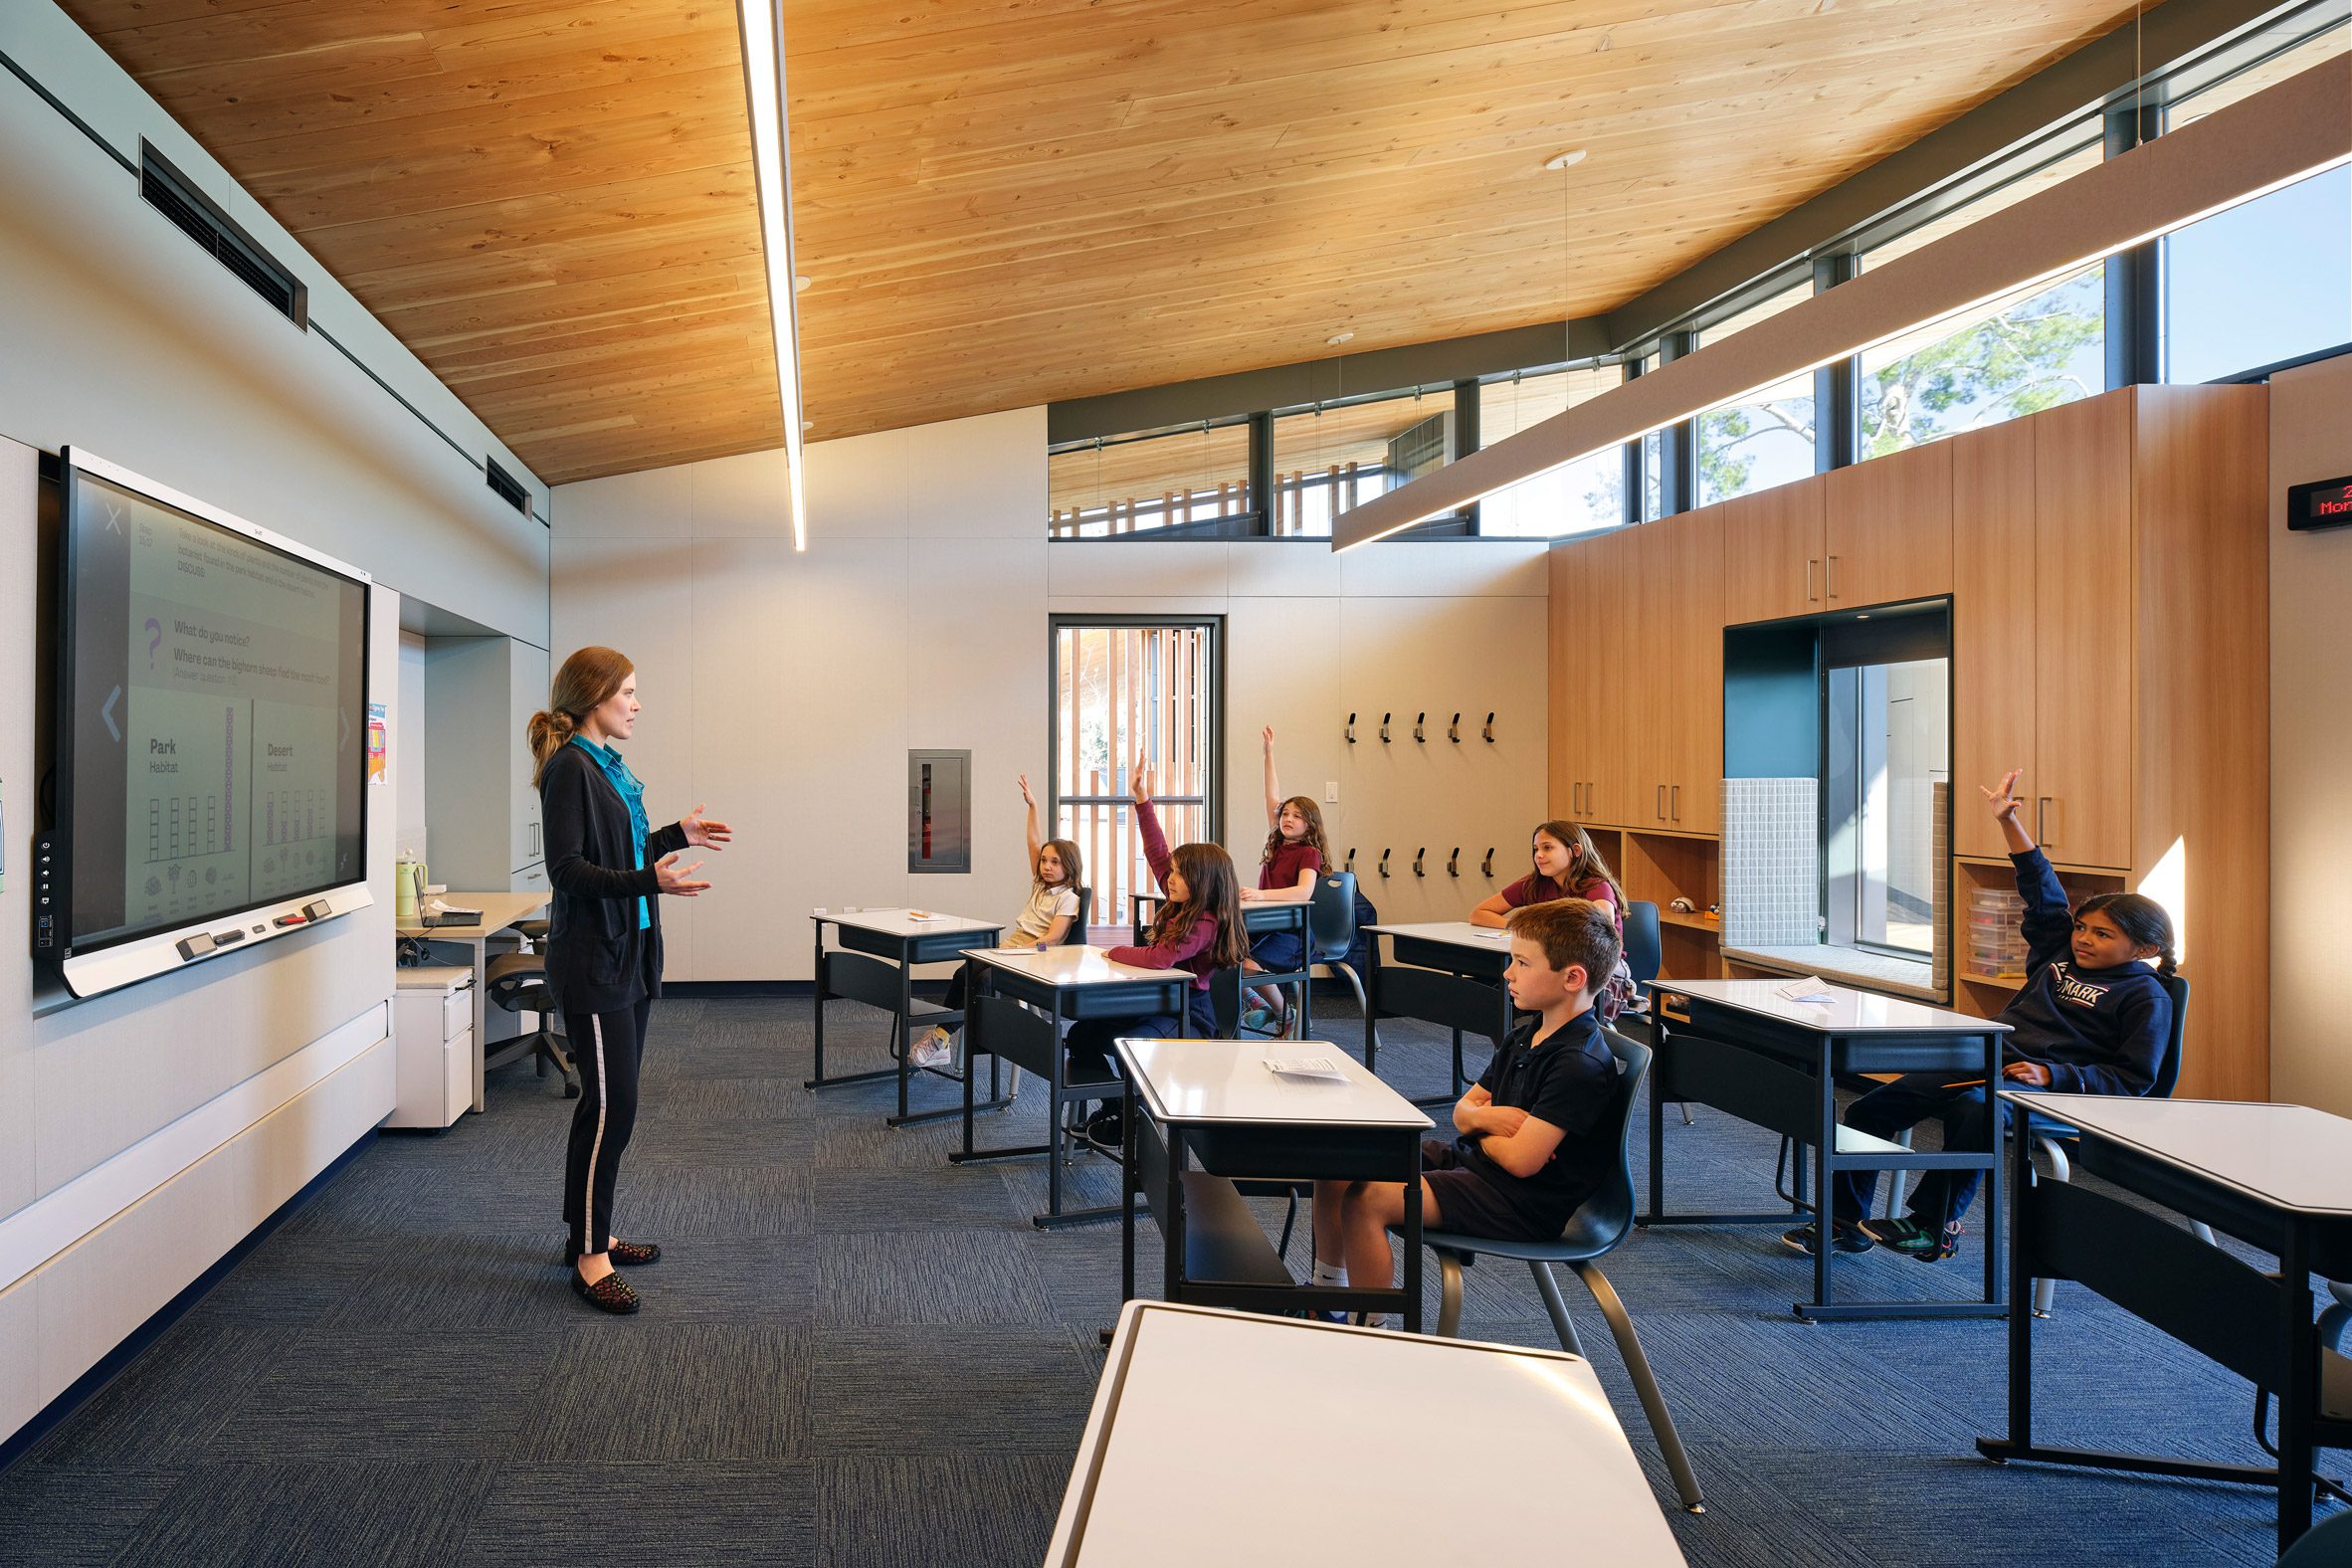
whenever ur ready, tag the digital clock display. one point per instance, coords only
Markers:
(2326, 503)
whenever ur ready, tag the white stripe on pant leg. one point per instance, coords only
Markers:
(588, 1233)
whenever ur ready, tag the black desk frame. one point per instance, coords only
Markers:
(1008, 1034)
(1156, 1156)
(877, 968)
(2259, 1325)
(1783, 1077)
(1444, 983)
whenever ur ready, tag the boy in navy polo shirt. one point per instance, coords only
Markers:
(1526, 1157)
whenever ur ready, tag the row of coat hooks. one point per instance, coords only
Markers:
(1453, 863)
(1421, 728)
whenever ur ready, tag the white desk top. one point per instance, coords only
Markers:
(2287, 1156)
(899, 923)
(1228, 1080)
(1458, 933)
(1210, 1442)
(1849, 1011)
(1071, 965)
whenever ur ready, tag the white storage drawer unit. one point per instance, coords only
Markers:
(433, 1030)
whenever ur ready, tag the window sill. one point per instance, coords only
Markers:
(1906, 977)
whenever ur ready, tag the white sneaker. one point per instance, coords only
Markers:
(934, 1050)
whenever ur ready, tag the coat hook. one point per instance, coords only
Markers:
(1453, 861)
(1489, 730)
(1486, 866)
(1420, 722)
(1454, 730)
(1384, 718)
(1351, 859)
(1351, 729)
(1417, 854)
(1384, 863)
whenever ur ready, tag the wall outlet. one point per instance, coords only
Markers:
(1331, 792)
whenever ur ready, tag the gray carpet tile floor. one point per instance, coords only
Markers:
(854, 1355)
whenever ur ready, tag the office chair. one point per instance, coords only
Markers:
(518, 982)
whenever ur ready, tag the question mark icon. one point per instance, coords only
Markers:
(155, 641)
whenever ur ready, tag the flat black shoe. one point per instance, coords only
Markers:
(609, 1294)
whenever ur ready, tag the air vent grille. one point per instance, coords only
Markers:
(509, 488)
(170, 194)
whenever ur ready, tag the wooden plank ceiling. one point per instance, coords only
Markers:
(1008, 202)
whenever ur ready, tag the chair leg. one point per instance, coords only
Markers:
(1449, 1295)
(1289, 1220)
(1895, 1180)
(1629, 1347)
(2045, 1290)
(1688, 1120)
(1363, 1004)
(1546, 1282)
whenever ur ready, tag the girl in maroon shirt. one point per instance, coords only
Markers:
(1295, 856)
(1198, 929)
(1566, 866)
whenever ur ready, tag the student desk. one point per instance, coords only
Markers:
(1454, 980)
(1215, 1100)
(1746, 1049)
(500, 910)
(2277, 1177)
(879, 951)
(1258, 919)
(1067, 984)
(1224, 1437)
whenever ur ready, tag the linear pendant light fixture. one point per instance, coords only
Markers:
(2233, 155)
(762, 26)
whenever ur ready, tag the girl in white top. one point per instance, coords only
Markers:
(1055, 874)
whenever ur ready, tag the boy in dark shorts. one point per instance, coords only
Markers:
(1525, 1158)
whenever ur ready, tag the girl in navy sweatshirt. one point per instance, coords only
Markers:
(2092, 1019)
(1198, 930)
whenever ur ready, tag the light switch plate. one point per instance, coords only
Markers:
(1331, 792)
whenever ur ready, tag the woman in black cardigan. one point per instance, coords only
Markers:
(604, 941)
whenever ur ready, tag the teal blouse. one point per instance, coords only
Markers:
(633, 796)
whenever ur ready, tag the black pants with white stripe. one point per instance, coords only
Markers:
(607, 1048)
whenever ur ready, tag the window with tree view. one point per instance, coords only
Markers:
(2035, 350)
(1766, 440)
(1578, 499)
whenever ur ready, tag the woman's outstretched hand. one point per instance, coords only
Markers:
(676, 880)
(703, 832)
(1141, 793)
(1028, 798)
(2005, 801)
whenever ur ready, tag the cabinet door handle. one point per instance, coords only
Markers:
(1676, 795)
(1828, 578)
(2042, 820)
(1810, 563)
(1661, 802)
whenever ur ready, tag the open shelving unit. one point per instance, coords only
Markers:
(1660, 868)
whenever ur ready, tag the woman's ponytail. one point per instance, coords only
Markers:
(550, 731)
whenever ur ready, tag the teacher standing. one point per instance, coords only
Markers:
(604, 940)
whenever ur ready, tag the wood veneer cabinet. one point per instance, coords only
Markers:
(1773, 544)
(1887, 529)
(1594, 645)
(1675, 570)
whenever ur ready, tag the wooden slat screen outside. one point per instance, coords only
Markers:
(1128, 697)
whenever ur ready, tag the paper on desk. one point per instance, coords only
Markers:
(1812, 988)
(1306, 1066)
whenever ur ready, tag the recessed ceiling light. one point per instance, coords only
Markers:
(1566, 160)
(808, 424)
(1337, 338)
(800, 282)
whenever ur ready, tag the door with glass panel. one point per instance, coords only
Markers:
(1130, 693)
